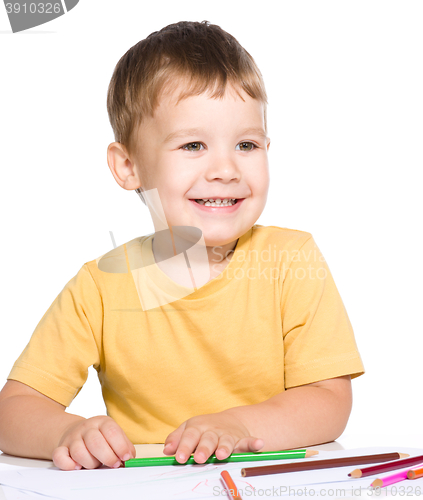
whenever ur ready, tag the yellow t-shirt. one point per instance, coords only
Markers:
(273, 319)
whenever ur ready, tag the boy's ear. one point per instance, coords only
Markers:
(122, 167)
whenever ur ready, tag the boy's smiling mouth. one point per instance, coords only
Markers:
(217, 202)
(225, 205)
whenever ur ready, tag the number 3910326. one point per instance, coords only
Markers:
(34, 8)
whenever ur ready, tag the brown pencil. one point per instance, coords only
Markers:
(398, 464)
(321, 464)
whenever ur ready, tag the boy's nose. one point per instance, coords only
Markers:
(224, 168)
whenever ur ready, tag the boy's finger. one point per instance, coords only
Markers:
(247, 444)
(206, 446)
(61, 459)
(170, 447)
(187, 444)
(172, 441)
(78, 452)
(225, 446)
(100, 449)
(118, 441)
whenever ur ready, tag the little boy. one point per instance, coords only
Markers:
(259, 355)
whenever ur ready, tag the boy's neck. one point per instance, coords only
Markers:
(218, 258)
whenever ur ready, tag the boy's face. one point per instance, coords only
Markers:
(204, 147)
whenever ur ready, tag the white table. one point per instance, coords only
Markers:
(345, 442)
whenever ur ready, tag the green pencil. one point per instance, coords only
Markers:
(235, 457)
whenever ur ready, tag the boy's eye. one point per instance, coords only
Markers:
(192, 146)
(246, 146)
(197, 146)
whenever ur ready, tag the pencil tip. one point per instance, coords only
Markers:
(310, 453)
(243, 473)
(355, 473)
(403, 455)
(377, 483)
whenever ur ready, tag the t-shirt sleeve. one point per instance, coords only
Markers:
(65, 343)
(319, 341)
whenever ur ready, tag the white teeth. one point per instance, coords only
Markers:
(218, 200)
(209, 202)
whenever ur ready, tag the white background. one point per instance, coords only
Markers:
(344, 81)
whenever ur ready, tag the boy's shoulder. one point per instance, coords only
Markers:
(120, 259)
(279, 236)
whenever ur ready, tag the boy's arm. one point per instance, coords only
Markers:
(35, 426)
(298, 417)
(301, 416)
(32, 423)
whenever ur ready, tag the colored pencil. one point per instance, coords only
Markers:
(321, 464)
(230, 485)
(415, 473)
(388, 480)
(398, 464)
(235, 457)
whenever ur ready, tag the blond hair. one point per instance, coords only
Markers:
(202, 55)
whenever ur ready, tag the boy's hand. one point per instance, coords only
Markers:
(219, 433)
(91, 443)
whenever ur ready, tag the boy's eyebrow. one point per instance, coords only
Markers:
(181, 133)
(194, 131)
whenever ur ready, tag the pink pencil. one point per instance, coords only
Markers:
(388, 480)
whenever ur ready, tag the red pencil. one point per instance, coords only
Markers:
(230, 485)
(397, 464)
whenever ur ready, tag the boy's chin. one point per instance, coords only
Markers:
(220, 240)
